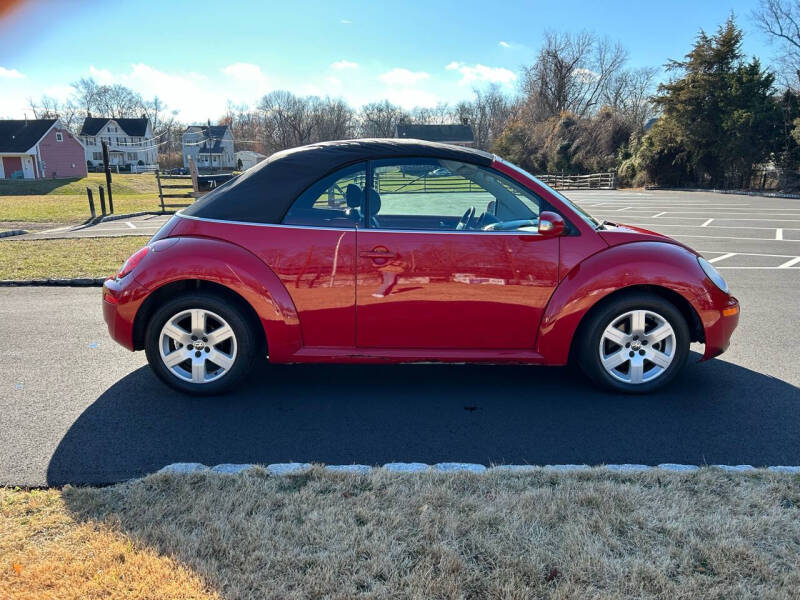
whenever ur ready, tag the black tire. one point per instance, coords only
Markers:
(247, 343)
(591, 334)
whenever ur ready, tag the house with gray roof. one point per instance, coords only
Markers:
(459, 135)
(209, 146)
(39, 149)
(130, 141)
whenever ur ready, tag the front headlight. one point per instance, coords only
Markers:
(713, 274)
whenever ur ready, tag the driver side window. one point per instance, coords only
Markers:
(444, 195)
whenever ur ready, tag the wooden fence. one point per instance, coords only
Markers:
(594, 181)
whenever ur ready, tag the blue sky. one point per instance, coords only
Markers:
(198, 55)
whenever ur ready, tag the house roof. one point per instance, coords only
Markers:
(21, 135)
(132, 127)
(213, 132)
(264, 193)
(215, 149)
(436, 133)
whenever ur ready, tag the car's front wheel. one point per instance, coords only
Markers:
(200, 343)
(635, 343)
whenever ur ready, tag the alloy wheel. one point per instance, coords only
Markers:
(197, 345)
(637, 346)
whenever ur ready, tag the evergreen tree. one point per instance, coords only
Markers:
(719, 117)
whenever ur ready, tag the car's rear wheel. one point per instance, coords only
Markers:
(635, 343)
(200, 343)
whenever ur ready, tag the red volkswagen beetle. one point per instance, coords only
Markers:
(402, 250)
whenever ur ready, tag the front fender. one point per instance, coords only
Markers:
(640, 263)
(235, 268)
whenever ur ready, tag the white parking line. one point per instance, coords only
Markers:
(129, 224)
(790, 263)
(706, 226)
(707, 223)
(723, 257)
(779, 234)
(659, 215)
(728, 237)
(747, 253)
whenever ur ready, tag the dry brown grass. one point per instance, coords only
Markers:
(45, 553)
(66, 258)
(553, 535)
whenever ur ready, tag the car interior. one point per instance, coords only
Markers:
(493, 203)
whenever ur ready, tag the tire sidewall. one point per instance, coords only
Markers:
(245, 342)
(589, 357)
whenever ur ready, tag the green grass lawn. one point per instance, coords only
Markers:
(65, 259)
(65, 201)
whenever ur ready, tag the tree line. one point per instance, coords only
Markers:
(718, 120)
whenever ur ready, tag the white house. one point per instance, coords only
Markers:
(249, 159)
(130, 141)
(209, 146)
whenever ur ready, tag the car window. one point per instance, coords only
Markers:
(444, 195)
(334, 201)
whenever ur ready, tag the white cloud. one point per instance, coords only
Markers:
(344, 64)
(102, 76)
(345, 21)
(504, 45)
(11, 73)
(246, 73)
(479, 72)
(585, 75)
(403, 77)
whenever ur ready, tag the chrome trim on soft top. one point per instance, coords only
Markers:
(282, 226)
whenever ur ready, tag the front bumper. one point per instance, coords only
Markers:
(719, 324)
(121, 300)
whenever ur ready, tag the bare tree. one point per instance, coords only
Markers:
(380, 119)
(487, 113)
(570, 74)
(628, 95)
(50, 108)
(780, 20)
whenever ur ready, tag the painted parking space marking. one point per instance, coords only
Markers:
(707, 223)
(790, 263)
(129, 224)
(779, 234)
(659, 215)
(723, 257)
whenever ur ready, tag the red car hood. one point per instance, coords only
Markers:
(619, 233)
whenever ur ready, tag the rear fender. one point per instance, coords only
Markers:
(641, 263)
(235, 268)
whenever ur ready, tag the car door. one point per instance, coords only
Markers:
(431, 271)
(314, 256)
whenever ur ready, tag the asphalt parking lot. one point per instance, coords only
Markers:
(75, 407)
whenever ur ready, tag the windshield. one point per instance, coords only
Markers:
(578, 210)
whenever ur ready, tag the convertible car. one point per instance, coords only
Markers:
(385, 250)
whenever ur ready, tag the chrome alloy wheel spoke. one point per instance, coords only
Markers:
(197, 346)
(637, 346)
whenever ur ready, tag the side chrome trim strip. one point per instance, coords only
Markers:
(365, 229)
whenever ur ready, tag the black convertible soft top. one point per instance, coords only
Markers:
(263, 193)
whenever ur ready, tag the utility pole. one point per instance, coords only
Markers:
(107, 169)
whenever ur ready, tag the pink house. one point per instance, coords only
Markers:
(39, 149)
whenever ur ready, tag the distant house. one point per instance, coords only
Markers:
(210, 146)
(248, 158)
(129, 141)
(39, 149)
(460, 135)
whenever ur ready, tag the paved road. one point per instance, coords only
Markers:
(141, 225)
(74, 407)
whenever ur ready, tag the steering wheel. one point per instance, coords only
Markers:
(464, 222)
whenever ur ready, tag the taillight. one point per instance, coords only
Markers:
(131, 263)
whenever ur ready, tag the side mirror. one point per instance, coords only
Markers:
(550, 224)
